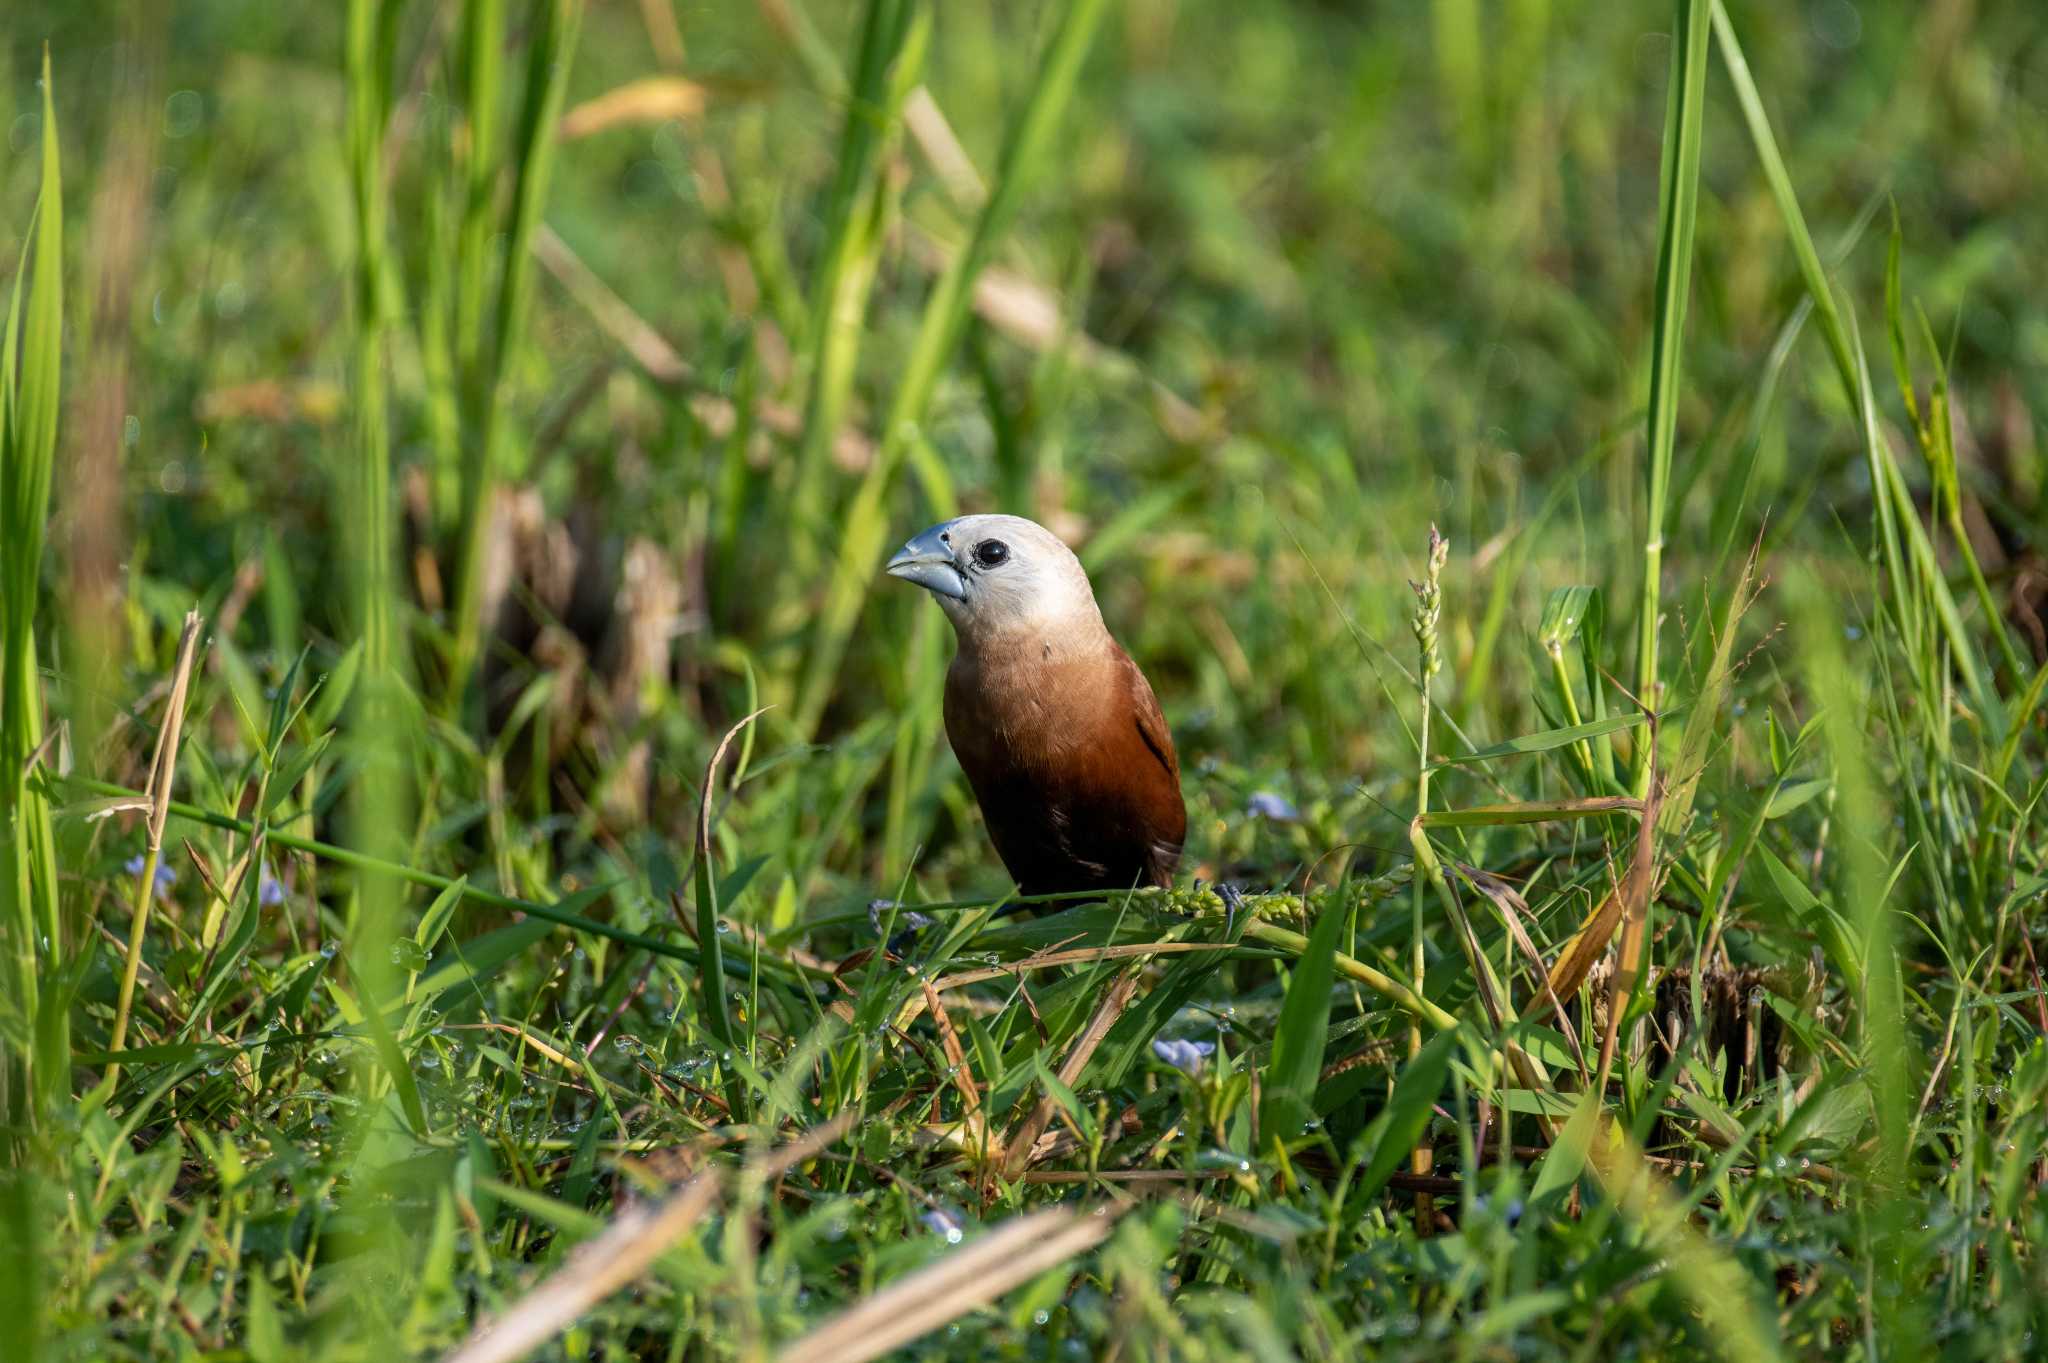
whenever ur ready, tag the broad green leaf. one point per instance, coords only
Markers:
(400, 1071)
(476, 960)
(1818, 917)
(1406, 1117)
(285, 782)
(1287, 1099)
(1563, 612)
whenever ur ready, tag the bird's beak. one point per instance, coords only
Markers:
(929, 563)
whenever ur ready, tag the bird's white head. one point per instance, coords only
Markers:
(996, 575)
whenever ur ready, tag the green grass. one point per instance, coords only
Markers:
(1638, 954)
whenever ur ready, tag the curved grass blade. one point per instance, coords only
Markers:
(712, 969)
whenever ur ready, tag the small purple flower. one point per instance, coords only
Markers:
(1185, 1056)
(165, 876)
(1265, 804)
(269, 891)
(944, 1221)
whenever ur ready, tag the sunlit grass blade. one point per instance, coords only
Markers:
(710, 931)
(552, 31)
(894, 35)
(1863, 891)
(1683, 115)
(865, 522)
(30, 360)
(1547, 740)
(1894, 499)
(162, 772)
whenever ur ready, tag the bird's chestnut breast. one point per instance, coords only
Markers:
(1070, 762)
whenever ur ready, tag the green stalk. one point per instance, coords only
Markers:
(1886, 477)
(368, 63)
(1680, 201)
(31, 349)
(894, 36)
(1429, 661)
(1402, 996)
(481, 74)
(555, 24)
(945, 313)
(1938, 447)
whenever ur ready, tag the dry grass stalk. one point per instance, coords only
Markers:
(660, 361)
(162, 768)
(1018, 1154)
(652, 99)
(1513, 910)
(598, 1268)
(961, 1281)
(942, 150)
(664, 34)
(1642, 873)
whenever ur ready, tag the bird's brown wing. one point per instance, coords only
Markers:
(1151, 722)
(1166, 815)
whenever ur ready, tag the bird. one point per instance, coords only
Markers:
(1057, 730)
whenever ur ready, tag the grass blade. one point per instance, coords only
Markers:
(554, 25)
(28, 441)
(1287, 1098)
(709, 940)
(945, 313)
(1405, 1118)
(1894, 499)
(1545, 741)
(1683, 115)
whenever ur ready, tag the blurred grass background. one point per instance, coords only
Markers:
(553, 377)
(1398, 271)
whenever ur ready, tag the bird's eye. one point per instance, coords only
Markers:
(989, 553)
